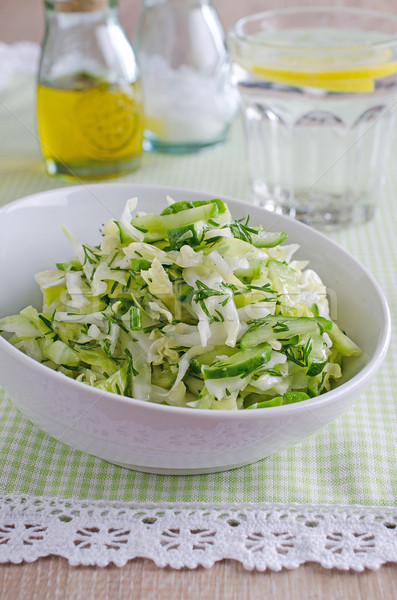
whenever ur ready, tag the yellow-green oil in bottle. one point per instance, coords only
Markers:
(89, 128)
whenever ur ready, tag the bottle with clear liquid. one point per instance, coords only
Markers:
(189, 97)
(89, 99)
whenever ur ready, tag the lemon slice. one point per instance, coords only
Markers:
(340, 61)
(108, 119)
(347, 80)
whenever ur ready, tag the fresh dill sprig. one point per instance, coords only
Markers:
(300, 354)
(90, 255)
(242, 231)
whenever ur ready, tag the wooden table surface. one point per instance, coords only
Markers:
(52, 578)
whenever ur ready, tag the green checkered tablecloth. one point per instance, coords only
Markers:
(351, 461)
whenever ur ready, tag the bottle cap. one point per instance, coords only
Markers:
(81, 5)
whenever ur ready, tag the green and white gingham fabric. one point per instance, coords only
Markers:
(351, 461)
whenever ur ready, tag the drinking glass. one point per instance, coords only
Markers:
(318, 89)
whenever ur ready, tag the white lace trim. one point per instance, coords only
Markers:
(260, 536)
(21, 57)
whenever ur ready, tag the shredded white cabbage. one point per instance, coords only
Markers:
(187, 308)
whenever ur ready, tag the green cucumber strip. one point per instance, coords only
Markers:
(187, 204)
(134, 320)
(253, 271)
(276, 401)
(292, 397)
(124, 234)
(229, 246)
(241, 363)
(281, 327)
(268, 239)
(342, 343)
(156, 226)
(287, 398)
(207, 358)
(153, 224)
(280, 273)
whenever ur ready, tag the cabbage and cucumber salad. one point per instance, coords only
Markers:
(188, 308)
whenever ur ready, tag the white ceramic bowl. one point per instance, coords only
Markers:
(150, 437)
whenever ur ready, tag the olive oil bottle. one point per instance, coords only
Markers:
(89, 100)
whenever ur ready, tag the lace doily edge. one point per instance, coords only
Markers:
(183, 535)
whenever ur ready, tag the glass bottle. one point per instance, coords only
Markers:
(89, 100)
(189, 97)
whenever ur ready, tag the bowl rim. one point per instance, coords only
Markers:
(348, 388)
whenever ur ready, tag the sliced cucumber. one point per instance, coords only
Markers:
(254, 270)
(241, 363)
(281, 327)
(124, 233)
(287, 398)
(155, 227)
(229, 246)
(276, 401)
(281, 274)
(209, 357)
(268, 239)
(292, 397)
(342, 343)
(133, 318)
(187, 204)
